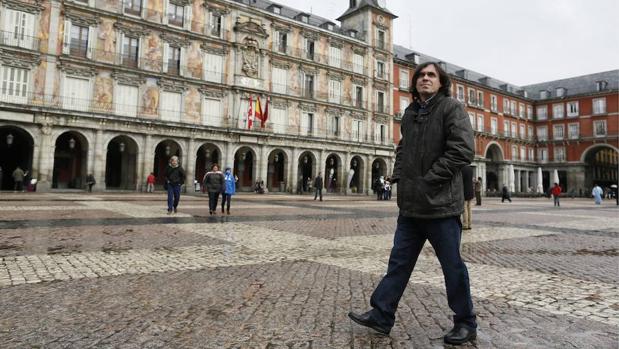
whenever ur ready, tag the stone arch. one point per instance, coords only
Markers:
(307, 169)
(379, 168)
(601, 162)
(245, 162)
(121, 162)
(493, 176)
(70, 160)
(355, 180)
(277, 170)
(207, 154)
(17, 149)
(494, 152)
(334, 172)
(164, 150)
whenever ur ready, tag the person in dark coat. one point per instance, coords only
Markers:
(214, 184)
(318, 186)
(437, 141)
(467, 183)
(174, 179)
(478, 186)
(505, 194)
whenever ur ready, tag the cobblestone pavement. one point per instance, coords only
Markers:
(115, 271)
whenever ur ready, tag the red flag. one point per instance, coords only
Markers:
(250, 113)
(258, 112)
(265, 115)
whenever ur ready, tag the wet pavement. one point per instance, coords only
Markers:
(115, 271)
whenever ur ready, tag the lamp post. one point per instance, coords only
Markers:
(71, 143)
(9, 139)
(121, 147)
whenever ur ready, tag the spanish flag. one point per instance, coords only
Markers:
(258, 111)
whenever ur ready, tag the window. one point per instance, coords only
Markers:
(599, 105)
(529, 112)
(559, 153)
(211, 114)
(572, 109)
(126, 100)
(305, 19)
(76, 93)
(480, 123)
(278, 119)
(403, 104)
(505, 106)
(599, 128)
(171, 106)
(472, 99)
(557, 132)
(335, 57)
(557, 111)
(18, 28)
(309, 49)
(79, 41)
(358, 98)
(380, 69)
(494, 107)
(381, 40)
(276, 10)
(494, 126)
(523, 153)
(308, 86)
(335, 87)
(543, 94)
(281, 42)
(601, 85)
(573, 131)
(472, 120)
(307, 124)
(512, 110)
(521, 110)
(215, 24)
(129, 56)
(174, 60)
(542, 154)
(403, 79)
(357, 130)
(14, 84)
(522, 130)
(176, 14)
(514, 152)
(380, 102)
(330, 26)
(480, 99)
(542, 112)
(460, 95)
(279, 80)
(214, 67)
(133, 7)
(334, 126)
(542, 133)
(506, 128)
(560, 92)
(514, 130)
(531, 154)
(530, 132)
(358, 65)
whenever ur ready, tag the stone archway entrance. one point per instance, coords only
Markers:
(495, 157)
(305, 172)
(244, 160)
(207, 155)
(16, 147)
(332, 173)
(276, 171)
(355, 175)
(379, 168)
(163, 152)
(121, 163)
(601, 167)
(70, 161)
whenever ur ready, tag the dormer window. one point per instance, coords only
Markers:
(305, 19)
(601, 85)
(543, 94)
(276, 9)
(330, 26)
(352, 33)
(353, 3)
(560, 92)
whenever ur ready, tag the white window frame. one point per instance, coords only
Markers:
(531, 154)
(18, 27)
(542, 133)
(473, 120)
(542, 154)
(530, 132)
(480, 122)
(357, 130)
(335, 91)
(559, 154)
(279, 120)
(460, 93)
(506, 128)
(472, 97)
(11, 90)
(358, 63)
(514, 152)
(599, 106)
(596, 128)
(558, 132)
(211, 64)
(523, 153)
(335, 56)
(494, 103)
(404, 102)
(529, 112)
(572, 109)
(506, 105)
(522, 131)
(573, 130)
(521, 110)
(542, 112)
(404, 79)
(494, 125)
(558, 111)
(480, 98)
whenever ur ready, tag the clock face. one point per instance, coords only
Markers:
(381, 3)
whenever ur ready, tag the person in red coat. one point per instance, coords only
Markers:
(150, 183)
(556, 193)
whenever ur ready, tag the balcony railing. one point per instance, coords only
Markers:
(19, 40)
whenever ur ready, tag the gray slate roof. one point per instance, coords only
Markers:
(365, 3)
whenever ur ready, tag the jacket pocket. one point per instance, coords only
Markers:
(433, 195)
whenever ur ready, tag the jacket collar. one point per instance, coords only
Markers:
(419, 108)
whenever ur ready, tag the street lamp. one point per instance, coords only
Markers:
(121, 147)
(243, 155)
(276, 158)
(71, 143)
(207, 153)
(9, 139)
(167, 150)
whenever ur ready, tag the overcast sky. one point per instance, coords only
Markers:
(521, 42)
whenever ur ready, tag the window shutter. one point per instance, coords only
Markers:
(120, 38)
(183, 62)
(166, 53)
(188, 15)
(164, 19)
(66, 44)
(140, 50)
(28, 31)
(91, 42)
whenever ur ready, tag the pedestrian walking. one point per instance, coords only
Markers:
(478, 186)
(18, 178)
(437, 141)
(556, 193)
(597, 194)
(387, 189)
(505, 195)
(174, 179)
(467, 185)
(213, 182)
(229, 189)
(90, 181)
(318, 186)
(150, 183)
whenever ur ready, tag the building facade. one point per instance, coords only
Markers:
(115, 88)
(565, 129)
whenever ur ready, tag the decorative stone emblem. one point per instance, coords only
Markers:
(250, 58)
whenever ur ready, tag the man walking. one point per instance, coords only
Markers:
(318, 186)
(505, 195)
(467, 185)
(18, 178)
(437, 141)
(556, 193)
(478, 185)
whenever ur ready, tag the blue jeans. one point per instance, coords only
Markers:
(410, 236)
(174, 195)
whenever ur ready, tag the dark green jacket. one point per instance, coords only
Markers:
(436, 143)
